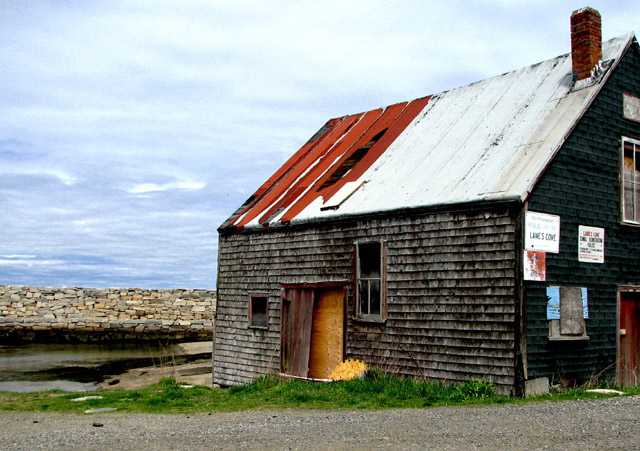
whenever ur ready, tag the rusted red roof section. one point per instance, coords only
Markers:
(328, 159)
(387, 128)
(340, 152)
(283, 175)
(285, 179)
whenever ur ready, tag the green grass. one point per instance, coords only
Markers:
(376, 391)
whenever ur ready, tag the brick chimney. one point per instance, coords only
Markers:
(586, 41)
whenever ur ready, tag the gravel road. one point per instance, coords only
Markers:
(602, 424)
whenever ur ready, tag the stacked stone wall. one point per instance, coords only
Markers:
(90, 314)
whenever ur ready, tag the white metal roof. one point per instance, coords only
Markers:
(489, 140)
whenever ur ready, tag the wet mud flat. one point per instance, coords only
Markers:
(90, 366)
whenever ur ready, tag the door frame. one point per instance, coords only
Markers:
(621, 290)
(315, 287)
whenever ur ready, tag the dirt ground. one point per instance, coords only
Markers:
(575, 425)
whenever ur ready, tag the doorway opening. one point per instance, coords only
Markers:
(629, 338)
(312, 334)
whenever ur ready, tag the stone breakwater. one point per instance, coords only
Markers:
(90, 314)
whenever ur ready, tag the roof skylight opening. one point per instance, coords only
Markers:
(353, 159)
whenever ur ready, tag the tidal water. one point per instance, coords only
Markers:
(72, 367)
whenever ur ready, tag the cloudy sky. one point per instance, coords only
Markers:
(130, 130)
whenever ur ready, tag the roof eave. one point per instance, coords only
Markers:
(513, 202)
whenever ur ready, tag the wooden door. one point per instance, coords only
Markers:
(629, 339)
(297, 316)
(312, 337)
(327, 333)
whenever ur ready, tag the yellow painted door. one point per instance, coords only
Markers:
(327, 333)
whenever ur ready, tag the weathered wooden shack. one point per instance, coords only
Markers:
(491, 231)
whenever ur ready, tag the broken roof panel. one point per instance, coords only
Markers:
(489, 140)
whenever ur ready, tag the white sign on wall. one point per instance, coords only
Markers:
(535, 266)
(542, 232)
(590, 244)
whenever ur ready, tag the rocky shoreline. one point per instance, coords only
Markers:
(92, 314)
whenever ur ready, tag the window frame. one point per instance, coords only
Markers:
(251, 319)
(635, 207)
(382, 315)
(556, 333)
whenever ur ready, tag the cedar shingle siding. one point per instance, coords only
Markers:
(582, 186)
(450, 293)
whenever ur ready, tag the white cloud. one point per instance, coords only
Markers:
(154, 187)
(27, 261)
(131, 129)
(17, 257)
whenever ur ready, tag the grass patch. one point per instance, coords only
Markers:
(376, 391)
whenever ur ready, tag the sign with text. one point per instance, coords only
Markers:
(535, 266)
(590, 244)
(542, 232)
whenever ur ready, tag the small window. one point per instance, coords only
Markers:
(630, 181)
(567, 311)
(370, 283)
(258, 311)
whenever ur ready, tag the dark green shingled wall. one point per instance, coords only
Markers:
(582, 187)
